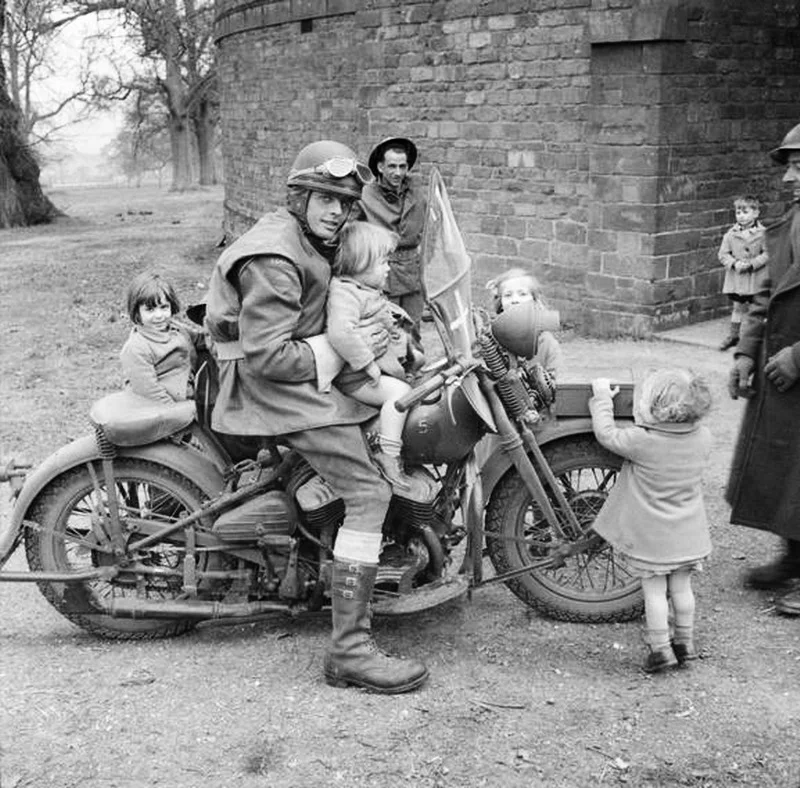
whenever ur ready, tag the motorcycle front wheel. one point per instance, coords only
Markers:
(593, 586)
(69, 513)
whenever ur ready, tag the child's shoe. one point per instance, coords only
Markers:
(660, 659)
(684, 652)
(392, 470)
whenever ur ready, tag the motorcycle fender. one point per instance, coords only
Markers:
(497, 462)
(186, 461)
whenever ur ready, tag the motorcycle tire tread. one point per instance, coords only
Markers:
(533, 588)
(69, 598)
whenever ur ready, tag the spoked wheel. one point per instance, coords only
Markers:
(70, 515)
(594, 585)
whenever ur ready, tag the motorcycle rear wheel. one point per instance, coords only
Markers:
(64, 512)
(594, 586)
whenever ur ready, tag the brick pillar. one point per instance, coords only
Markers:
(633, 241)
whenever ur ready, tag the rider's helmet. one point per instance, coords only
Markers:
(791, 142)
(329, 167)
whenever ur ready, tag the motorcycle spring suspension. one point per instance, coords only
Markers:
(500, 372)
(106, 448)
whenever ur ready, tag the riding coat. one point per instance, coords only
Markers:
(764, 484)
(266, 316)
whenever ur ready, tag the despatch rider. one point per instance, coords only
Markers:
(266, 315)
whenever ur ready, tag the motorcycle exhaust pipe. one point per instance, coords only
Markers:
(198, 609)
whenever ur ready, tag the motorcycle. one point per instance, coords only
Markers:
(156, 523)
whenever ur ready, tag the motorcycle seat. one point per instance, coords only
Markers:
(130, 420)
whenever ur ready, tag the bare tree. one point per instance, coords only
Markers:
(27, 47)
(174, 41)
(143, 144)
(22, 201)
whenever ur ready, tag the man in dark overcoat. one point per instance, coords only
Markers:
(396, 201)
(265, 313)
(764, 485)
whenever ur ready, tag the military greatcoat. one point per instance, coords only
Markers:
(764, 484)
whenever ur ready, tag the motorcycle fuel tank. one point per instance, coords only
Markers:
(443, 429)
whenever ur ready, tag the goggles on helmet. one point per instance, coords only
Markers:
(339, 167)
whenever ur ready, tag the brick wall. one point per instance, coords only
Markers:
(599, 142)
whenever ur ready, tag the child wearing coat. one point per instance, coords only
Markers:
(159, 355)
(655, 515)
(517, 286)
(356, 293)
(743, 253)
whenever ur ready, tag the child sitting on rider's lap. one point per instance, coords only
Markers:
(159, 355)
(517, 286)
(655, 515)
(356, 292)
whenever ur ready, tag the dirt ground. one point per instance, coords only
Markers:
(514, 699)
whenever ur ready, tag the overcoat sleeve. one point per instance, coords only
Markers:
(751, 333)
(271, 291)
(628, 442)
(344, 316)
(726, 251)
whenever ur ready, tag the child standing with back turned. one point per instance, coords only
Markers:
(743, 253)
(654, 514)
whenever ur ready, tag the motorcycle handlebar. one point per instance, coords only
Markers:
(429, 386)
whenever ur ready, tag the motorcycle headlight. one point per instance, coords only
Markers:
(517, 328)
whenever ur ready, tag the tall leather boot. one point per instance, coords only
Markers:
(353, 658)
(732, 338)
(778, 573)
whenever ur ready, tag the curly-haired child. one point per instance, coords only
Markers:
(655, 515)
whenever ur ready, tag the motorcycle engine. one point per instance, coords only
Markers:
(266, 516)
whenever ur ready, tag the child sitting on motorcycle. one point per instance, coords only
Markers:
(360, 269)
(517, 286)
(654, 514)
(159, 355)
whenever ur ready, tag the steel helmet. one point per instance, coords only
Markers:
(403, 143)
(791, 142)
(329, 167)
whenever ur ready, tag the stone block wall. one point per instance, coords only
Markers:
(598, 142)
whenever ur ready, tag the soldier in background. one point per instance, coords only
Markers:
(396, 201)
(764, 485)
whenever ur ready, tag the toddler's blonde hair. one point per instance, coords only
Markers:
(673, 396)
(494, 286)
(361, 245)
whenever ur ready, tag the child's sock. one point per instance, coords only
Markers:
(657, 638)
(684, 635)
(389, 446)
